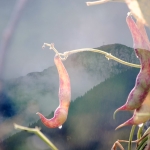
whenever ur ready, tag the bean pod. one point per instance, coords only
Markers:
(141, 114)
(142, 50)
(61, 112)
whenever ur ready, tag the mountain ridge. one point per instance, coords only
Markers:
(90, 123)
(106, 48)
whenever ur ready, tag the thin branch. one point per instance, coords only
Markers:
(37, 131)
(107, 55)
(64, 55)
(114, 147)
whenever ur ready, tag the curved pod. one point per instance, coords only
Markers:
(61, 112)
(142, 50)
(141, 115)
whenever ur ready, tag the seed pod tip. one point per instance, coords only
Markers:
(120, 126)
(114, 115)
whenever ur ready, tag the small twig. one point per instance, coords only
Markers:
(114, 147)
(37, 131)
(51, 46)
(118, 142)
(140, 143)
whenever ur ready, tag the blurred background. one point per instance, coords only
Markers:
(68, 24)
(29, 78)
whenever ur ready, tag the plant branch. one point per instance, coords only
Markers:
(107, 55)
(64, 55)
(37, 131)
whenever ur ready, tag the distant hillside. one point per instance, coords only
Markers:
(90, 125)
(38, 91)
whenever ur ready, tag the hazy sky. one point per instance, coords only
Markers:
(68, 24)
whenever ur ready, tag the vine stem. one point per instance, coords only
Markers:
(139, 142)
(65, 55)
(107, 55)
(37, 131)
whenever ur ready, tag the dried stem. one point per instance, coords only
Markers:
(51, 46)
(64, 55)
(107, 55)
(114, 147)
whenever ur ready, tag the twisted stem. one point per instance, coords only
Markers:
(65, 55)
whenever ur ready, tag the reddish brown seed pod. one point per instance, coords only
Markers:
(141, 114)
(142, 50)
(61, 112)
